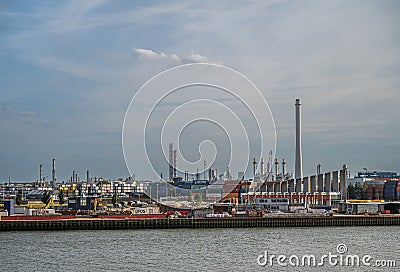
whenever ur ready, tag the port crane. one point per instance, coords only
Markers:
(51, 203)
(99, 202)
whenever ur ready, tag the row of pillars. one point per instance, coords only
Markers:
(323, 183)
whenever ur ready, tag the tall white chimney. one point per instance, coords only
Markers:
(298, 172)
(171, 161)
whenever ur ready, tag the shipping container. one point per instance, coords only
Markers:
(19, 210)
(9, 206)
(375, 182)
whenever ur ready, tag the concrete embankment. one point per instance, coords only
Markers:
(172, 223)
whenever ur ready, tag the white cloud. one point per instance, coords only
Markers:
(148, 54)
(27, 113)
(195, 58)
(152, 55)
(10, 112)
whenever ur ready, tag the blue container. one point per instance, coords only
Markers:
(328, 208)
(9, 206)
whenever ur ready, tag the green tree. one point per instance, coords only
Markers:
(356, 191)
(363, 194)
(115, 198)
(360, 191)
(46, 197)
(351, 191)
(373, 192)
(18, 199)
(200, 198)
(61, 197)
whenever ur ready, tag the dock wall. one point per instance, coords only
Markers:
(169, 223)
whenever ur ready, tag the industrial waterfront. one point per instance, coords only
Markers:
(200, 136)
(272, 197)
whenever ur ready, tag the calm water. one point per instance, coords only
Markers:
(190, 250)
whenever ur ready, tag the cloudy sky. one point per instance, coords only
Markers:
(68, 70)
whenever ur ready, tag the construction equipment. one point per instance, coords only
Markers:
(99, 202)
(51, 203)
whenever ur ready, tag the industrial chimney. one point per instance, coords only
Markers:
(298, 172)
(40, 173)
(254, 166)
(54, 172)
(262, 167)
(276, 168)
(175, 156)
(171, 162)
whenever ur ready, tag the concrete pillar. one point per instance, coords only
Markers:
(298, 185)
(306, 187)
(291, 186)
(284, 186)
(335, 181)
(270, 187)
(343, 185)
(277, 187)
(313, 184)
(320, 183)
(327, 188)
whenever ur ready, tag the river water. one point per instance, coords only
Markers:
(200, 249)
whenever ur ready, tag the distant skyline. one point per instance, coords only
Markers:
(69, 69)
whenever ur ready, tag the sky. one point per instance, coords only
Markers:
(69, 69)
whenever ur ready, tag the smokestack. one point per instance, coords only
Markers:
(298, 172)
(318, 169)
(41, 173)
(283, 168)
(262, 167)
(204, 168)
(73, 177)
(276, 169)
(209, 174)
(254, 166)
(170, 163)
(175, 152)
(87, 176)
(54, 172)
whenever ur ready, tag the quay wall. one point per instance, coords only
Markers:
(173, 223)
